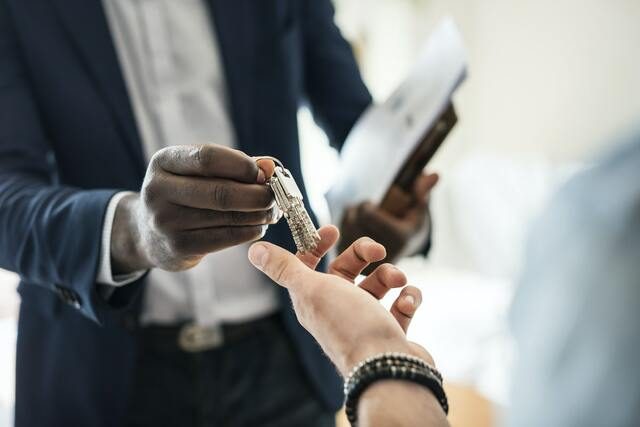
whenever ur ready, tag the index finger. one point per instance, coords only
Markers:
(208, 160)
(350, 263)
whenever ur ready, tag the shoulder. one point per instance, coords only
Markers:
(595, 211)
(576, 314)
(588, 240)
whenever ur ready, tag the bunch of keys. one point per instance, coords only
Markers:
(289, 200)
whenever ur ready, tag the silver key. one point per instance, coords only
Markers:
(289, 200)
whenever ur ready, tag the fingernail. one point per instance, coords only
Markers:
(265, 227)
(258, 255)
(261, 178)
(411, 300)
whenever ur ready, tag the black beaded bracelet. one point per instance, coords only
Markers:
(397, 366)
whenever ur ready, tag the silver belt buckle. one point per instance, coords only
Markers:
(194, 338)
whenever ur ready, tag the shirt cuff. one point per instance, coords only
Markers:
(105, 275)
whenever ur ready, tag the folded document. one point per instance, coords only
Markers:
(388, 134)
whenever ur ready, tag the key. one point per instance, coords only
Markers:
(289, 200)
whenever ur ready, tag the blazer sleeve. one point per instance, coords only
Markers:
(335, 90)
(49, 233)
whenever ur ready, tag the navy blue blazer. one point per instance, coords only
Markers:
(68, 142)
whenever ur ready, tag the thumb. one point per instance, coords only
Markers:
(280, 265)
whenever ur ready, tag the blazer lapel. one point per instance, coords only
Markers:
(235, 27)
(86, 25)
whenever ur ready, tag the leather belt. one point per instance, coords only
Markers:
(193, 338)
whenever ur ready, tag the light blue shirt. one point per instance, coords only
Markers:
(576, 315)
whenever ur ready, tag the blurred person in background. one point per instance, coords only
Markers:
(107, 218)
(576, 315)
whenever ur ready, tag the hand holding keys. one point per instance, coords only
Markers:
(289, 200)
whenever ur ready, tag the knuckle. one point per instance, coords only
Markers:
(391, 276)
(359, 248)
(271, 216)
(267, 198)
(244, 219)
(263, 199)
(159, 158)
(232, 234)
(154, 222)
(235, 218)
(179, 244)
(243, 234)
(360, 243)
(263, 217)
(256, 232)
(205, 155)
(363, 240)
(156, 159)
(249, 168)
(161, 219)
(282, 271)
(221, 196)
(151, 191)
(385, 271)
(369, 244)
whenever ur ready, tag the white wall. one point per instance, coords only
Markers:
(552, 77)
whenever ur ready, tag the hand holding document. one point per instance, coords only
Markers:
(386, 139)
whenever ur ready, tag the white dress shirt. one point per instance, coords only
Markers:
(173, 71)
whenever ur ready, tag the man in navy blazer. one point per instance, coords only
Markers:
(69, 142)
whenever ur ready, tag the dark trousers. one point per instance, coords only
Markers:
(253, 380)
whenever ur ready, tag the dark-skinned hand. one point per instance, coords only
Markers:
(394, 233)
(195, 199)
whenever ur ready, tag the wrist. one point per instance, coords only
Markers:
(399, 403)
(373, 348)
(127, 254)
(404, 373)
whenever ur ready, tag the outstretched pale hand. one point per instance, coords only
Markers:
(347, 320)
